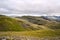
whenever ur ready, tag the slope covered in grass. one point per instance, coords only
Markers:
(28, 27)
(9, 24)
(37, 33)
(14, 24)
(42, 21)
(26, 23)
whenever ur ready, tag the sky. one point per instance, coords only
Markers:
(30, 7)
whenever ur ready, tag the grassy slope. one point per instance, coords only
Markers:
(11, 25)
(41, 21)
(38, 33)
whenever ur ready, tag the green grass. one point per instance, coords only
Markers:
(38, 33)
(10, 24)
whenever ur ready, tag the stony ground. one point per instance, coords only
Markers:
(27, 38)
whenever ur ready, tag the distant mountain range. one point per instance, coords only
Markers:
(56, 18)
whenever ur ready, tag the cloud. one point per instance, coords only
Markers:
(3, 10)
(33, 7)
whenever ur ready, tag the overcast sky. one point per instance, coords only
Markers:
(30, 7)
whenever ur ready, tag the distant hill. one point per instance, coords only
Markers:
(56, 18)
(42, 21)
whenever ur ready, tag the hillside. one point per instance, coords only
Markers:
(9, 24)
(41, 21)
(27, 23)
(28, 28)
(15, 24)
